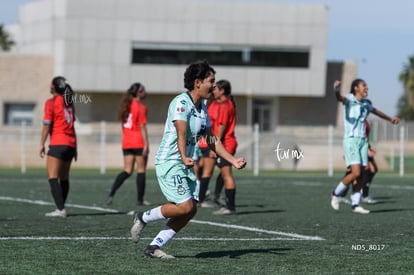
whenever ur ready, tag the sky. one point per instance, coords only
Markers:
(376, 34)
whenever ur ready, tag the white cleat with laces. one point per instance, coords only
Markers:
(57, 213)
(360, 210)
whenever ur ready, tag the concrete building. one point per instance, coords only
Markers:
(274, 54)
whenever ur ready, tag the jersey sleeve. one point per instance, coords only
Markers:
(348, 99)
(223, 115)
(370, 107)
(48, 113)
(178, 109)
(142, 115)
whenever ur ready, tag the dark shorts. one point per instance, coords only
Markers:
(133, 151)
(62, 152)
(205, 152)
(221, 162)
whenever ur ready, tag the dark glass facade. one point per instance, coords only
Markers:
(251, 57)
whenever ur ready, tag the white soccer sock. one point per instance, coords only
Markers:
(356, 198)
(339, 189)
(163, 237)
(153, 215)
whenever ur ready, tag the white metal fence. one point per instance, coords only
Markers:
(288, 148)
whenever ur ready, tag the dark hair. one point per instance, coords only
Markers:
(355, 83)
(125, 105)
(197, 70)
(226, 86)
(62, 87)
(59, 84)
(133, 90)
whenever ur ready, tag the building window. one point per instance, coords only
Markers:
(262, 114)
(17, 113)
(224, 55)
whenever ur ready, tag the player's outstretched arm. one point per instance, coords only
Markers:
(215, 144)
(393, 120)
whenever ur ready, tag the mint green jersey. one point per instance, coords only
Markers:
(182, 108)
(355, 115)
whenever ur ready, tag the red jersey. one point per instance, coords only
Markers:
(61, 119)
(131, 126)
(227, 117)
(213, 112)
(367, 129)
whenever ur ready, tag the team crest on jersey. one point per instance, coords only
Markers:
(180, 190)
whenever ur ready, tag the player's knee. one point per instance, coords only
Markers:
(188, 208)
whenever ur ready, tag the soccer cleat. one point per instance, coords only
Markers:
(144, 202)
(224, 211)
(137, 226)
(369, 200)
(344, 200)
(109, 198)
(57, 213)
(154, 251)
(360, 210)
(205, 205)
(220, 201)
(335, 202)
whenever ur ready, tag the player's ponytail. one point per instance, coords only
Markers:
(125, 105)
(61, 86)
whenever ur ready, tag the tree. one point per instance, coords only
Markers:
(406, 101)
(5, 41)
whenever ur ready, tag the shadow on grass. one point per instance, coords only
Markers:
(390, 210)
(98, 214)
(258, 212)
(237, 253)
(383, 198)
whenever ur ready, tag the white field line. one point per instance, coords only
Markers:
(39, 202)
(297, 183)
(258, 230)
(127, 238)
(245, 228)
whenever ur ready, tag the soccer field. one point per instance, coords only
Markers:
(284, 224)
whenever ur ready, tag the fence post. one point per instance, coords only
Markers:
(330, 150)
(23, 147)
(392, 158)
(402, 140)
(102, 147)
(256, 150)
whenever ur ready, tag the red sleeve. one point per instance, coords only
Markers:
(48, 112)
(142, 115)
(223, 114)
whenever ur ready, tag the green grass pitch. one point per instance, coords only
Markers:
(284, 225)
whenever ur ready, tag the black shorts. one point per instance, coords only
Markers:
(205, 152)
(62, 152)
(133, 151)
(221, 162)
